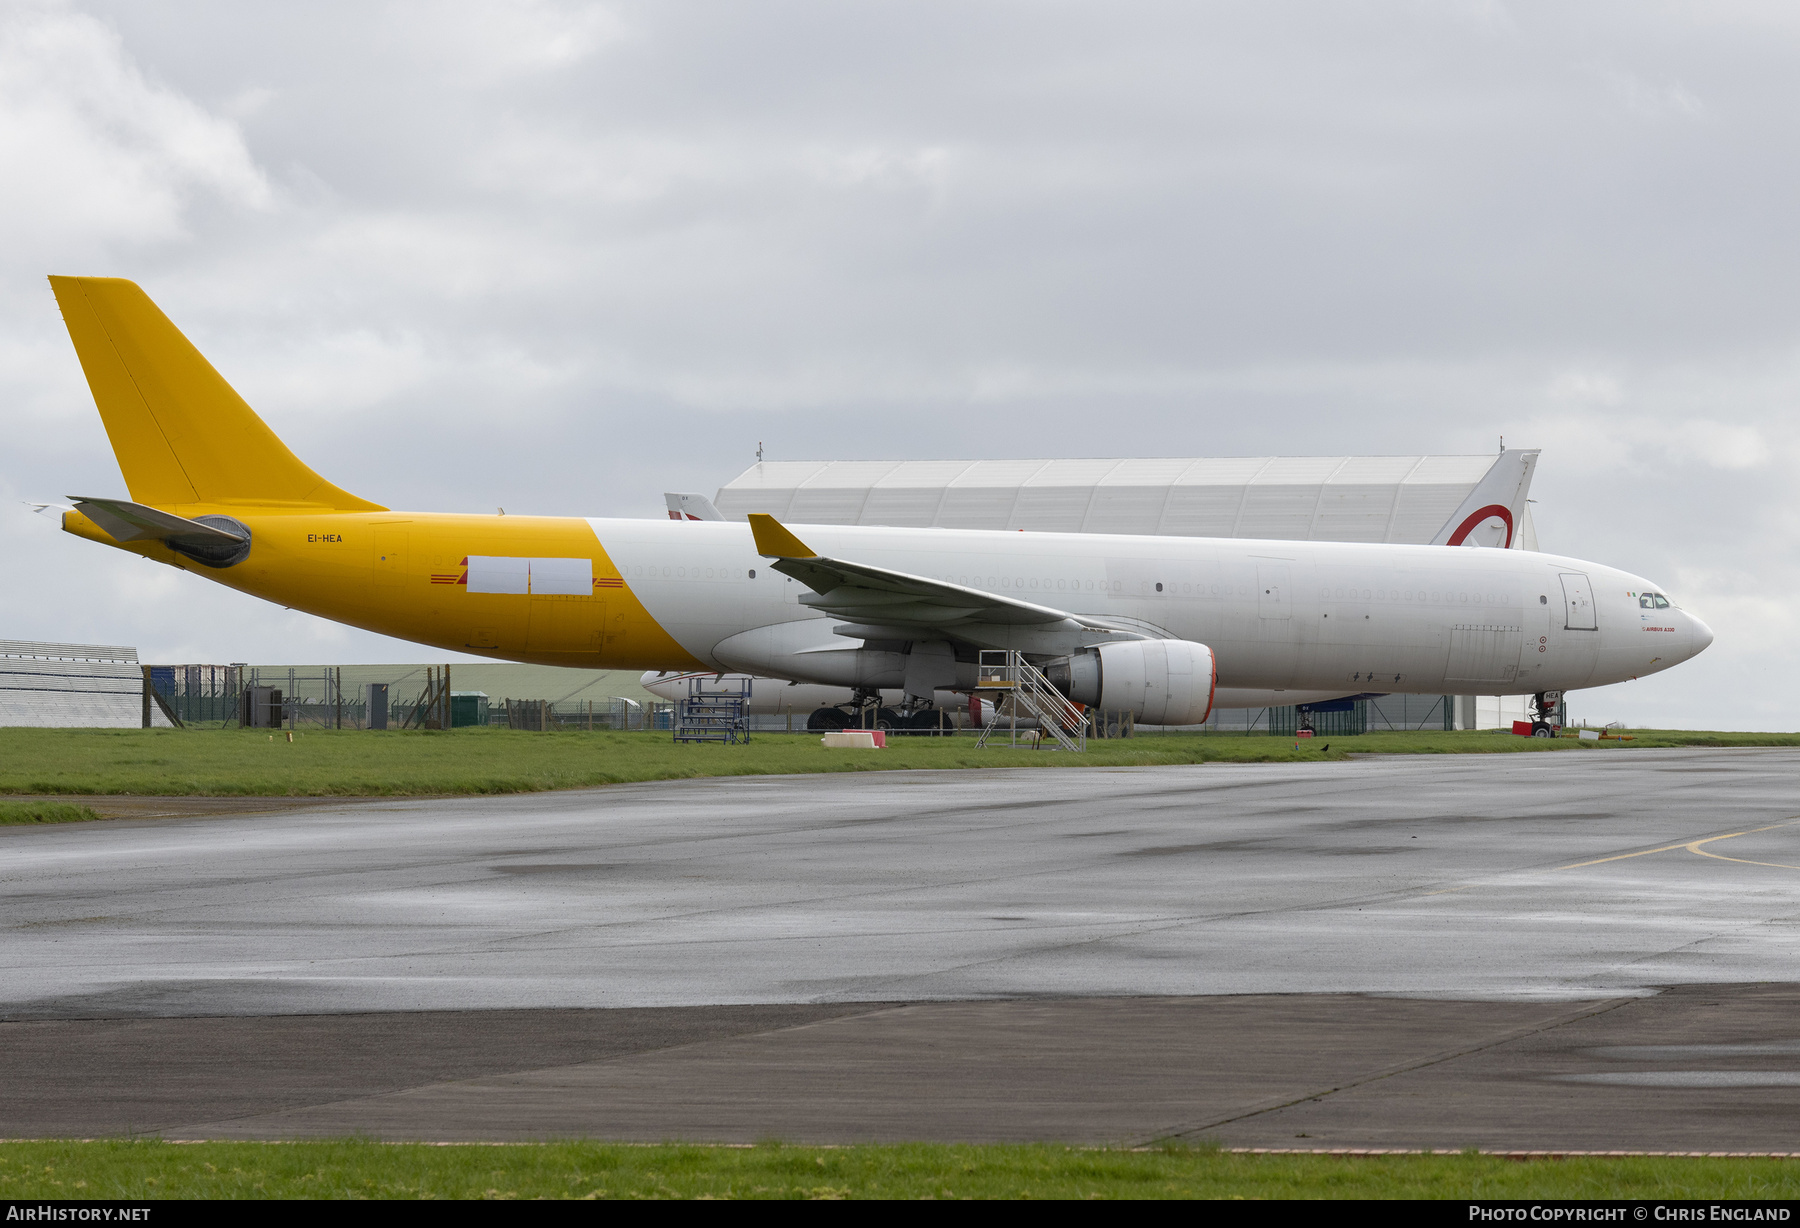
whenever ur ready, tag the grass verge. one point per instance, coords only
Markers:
(325, 763)
(43, 812)
(360, 1169)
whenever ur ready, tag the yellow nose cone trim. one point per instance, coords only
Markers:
(775, 542)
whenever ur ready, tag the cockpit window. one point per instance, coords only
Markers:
(1653, 601)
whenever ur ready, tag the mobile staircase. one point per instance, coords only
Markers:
(713, 710)
(1003, 674)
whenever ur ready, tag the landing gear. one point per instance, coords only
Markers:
(1544, 708)
(864, 711)
(871, 715)
(830, 720)
(930, 721)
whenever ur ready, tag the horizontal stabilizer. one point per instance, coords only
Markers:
(133, 522)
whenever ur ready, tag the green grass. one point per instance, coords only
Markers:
(324, 763)
(357, 1169)
(43, 812)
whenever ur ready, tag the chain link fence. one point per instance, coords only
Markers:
(339, 697)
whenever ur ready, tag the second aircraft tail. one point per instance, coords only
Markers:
(1494, 512)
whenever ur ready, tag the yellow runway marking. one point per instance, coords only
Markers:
(1693, 846)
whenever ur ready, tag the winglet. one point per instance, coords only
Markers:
(775, 542)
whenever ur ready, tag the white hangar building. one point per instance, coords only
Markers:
(1289, 498)
(94, 686)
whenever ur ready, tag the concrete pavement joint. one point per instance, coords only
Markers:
(1398, 1068)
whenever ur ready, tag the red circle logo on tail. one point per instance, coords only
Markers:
(1476, 517)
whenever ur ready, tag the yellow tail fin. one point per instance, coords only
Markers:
(182, 435)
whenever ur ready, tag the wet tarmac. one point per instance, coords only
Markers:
(1382, 952)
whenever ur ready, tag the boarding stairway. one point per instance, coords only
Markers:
(1005, 675)
(713, 709)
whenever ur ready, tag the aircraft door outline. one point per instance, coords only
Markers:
(1272, 591)
(565, 624)
(390, 554)
(1578, 602)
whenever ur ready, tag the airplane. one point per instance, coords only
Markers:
(1149, 625)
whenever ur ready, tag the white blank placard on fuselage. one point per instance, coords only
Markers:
(546, 577)
(562, 577)
(493, 574)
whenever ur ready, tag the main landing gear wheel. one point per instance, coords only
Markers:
(828, 720)
(931, 720)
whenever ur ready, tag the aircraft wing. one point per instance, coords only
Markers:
(875, 598)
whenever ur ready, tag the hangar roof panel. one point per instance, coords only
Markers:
(68, 652)
(1074, 472)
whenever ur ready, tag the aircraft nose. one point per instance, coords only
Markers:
(1699, 636)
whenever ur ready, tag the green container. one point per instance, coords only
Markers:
(468, 708)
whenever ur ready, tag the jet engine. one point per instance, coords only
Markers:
(1160, 682)
(807, 651)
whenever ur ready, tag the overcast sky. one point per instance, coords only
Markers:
(563, 257)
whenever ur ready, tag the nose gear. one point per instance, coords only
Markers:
(1546, 709)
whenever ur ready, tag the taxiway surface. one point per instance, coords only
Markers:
(1569, 875)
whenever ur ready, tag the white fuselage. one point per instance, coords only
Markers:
(1279, 616)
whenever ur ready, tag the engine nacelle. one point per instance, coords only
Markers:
(1160, 682)
(807, 651)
